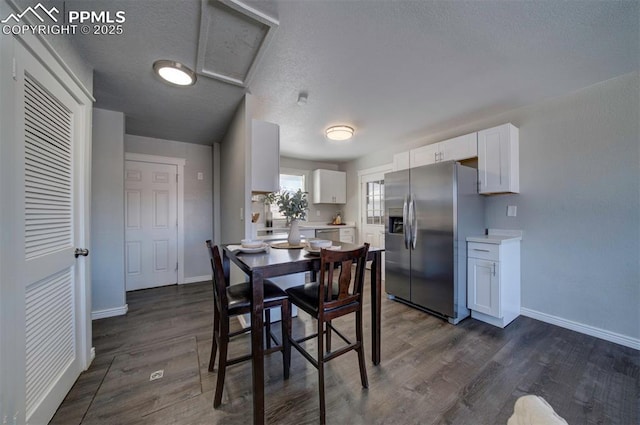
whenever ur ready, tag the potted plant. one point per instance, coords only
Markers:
(294, 206)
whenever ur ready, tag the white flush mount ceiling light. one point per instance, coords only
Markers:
(174, 73)
(339, 132)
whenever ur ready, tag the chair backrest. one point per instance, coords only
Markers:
(348, 288)
(219, 279)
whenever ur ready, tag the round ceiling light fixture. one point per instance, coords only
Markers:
(174, 73)
(339, 132)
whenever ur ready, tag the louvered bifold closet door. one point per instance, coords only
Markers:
(48, 212)
(48, 173)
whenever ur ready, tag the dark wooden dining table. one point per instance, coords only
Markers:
(280, 262)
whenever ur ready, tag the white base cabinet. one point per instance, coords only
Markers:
(493, 279)
(348, 235)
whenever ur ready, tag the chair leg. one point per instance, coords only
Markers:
(286, 333)
(361, 361)
(321, 373)
(267, 324)
(328, 344)
(222, 363)
(214, 337)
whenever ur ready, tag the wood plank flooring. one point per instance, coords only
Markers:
(431, 372)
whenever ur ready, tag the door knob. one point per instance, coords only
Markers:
(83, 252)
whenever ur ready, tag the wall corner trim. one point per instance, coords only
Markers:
(614, 337)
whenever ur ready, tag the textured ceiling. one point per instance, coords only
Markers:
(394, 70)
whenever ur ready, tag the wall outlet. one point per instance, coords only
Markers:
(200, 175)
(512, 210)
(317, 213)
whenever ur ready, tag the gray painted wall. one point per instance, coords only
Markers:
(198, 195)
(107, 211)
(579, 203)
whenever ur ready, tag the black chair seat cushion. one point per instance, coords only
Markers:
(306, 296)
(239, 295)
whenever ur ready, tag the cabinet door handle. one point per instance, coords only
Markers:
(481, 250)
(494, 269)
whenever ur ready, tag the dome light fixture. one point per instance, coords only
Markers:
(339, 132)
(174, 73)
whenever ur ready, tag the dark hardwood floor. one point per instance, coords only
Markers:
(431, 372)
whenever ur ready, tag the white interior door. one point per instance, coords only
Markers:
(372, 208)
(44, 190)
(151, 224)
(372, 187)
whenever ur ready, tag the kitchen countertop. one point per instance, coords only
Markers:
(310, 225)
(494, 239)
(497, 236)
(322, 225)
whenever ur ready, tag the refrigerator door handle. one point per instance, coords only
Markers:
(405, 224)
(413, 225)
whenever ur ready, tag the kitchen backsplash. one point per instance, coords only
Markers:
(326, 213)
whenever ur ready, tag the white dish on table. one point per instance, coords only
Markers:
(317, 244)
(251, 244)
(240, 248)
(313, 251)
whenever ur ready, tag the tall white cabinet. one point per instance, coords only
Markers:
(493, 278)
(265, 156)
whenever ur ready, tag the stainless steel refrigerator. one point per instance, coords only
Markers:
(430, 211)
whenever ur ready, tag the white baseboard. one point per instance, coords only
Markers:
(582, 328)
(196, 279)
(109, 312)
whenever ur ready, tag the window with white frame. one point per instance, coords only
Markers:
(290, 180)
(375, 202)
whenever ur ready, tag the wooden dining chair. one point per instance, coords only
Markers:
(326, 300)
(234, 300)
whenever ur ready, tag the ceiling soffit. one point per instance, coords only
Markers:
(233, 38)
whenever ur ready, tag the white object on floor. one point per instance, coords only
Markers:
(534, 410)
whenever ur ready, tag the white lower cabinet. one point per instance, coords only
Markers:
(484, 286)
(347, 235)
(493, 279)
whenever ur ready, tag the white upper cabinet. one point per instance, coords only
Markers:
(424, 155)
(329, 187)
(456, 149)
(401, 161)
(459, 148)
(498, 163)
(265, 157)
